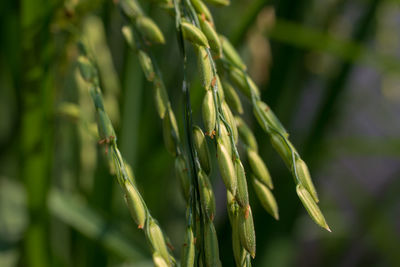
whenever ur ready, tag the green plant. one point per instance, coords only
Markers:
(219, 66)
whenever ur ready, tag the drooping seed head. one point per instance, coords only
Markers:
(209, 113)
(201, 146)
(266, 198)
(135, 204)
(305, 178)
(193, 34)
(246, 135)
(226, 167)
(259, 168)
(149, 30)
(311, 207)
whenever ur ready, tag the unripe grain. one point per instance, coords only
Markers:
(149, 30)
(156, 238)
(200, 144)
(209, 113)
(204, 66)
(226, 167)
(246, 230)
(259, 168)
(266, 198)
(311, 207)
(193, 34)
(135, 204)
(246, 134)
(305, 178)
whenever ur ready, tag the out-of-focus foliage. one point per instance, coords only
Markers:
(330, 69)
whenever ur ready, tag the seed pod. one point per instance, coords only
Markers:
(135, 204)
(158, 260)
(225, 138)
(183, 173)
(87, 70)
(270, 118)
(238, 251)
(149, 30)
(130, 8)
(219, 2)
(232, 98)
(259, 168)
(311, 207)
(147, 65)
(161, 99)
(202, 9)
(266, 198)
(282, 148)
(204, 66)
(230, 119)
(242, 195)
(170, 132)
(230, 53)
(188, 250)
(105, 127)
(193, 34)
(211, 250)
(305, 178)
(206, 194)
(239, 79)
(156, 238)
(246, 231)
(209, 113)
(211, 35)
(246, 134)
(128, 35)
(200, 144)
(226, 167)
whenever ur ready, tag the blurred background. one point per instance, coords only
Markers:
(330, 69)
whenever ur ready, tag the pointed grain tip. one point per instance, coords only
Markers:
(328, 229)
